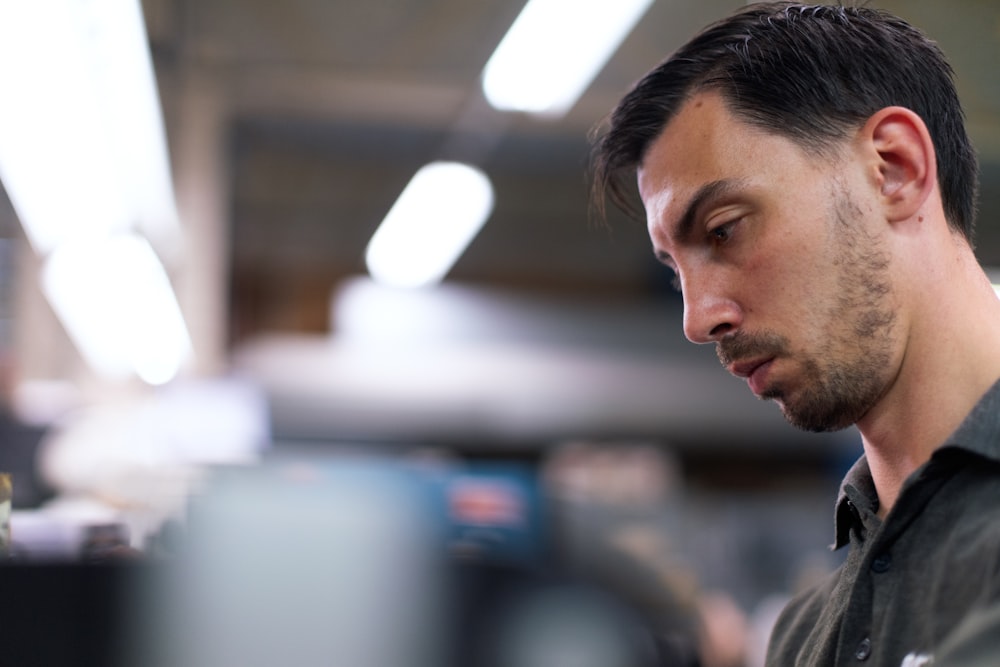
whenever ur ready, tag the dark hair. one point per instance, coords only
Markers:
(810, 73)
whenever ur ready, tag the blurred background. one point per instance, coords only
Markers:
(539, 389)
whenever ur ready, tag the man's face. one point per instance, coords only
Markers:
(781, 260)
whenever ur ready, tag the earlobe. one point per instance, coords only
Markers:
(906, 167)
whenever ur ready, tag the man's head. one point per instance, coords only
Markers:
(810, 73)
(788, 159)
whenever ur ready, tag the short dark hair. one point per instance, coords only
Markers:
(811, 73)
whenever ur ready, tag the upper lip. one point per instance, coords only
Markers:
(745, 369)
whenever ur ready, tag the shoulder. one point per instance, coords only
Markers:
(968, 507)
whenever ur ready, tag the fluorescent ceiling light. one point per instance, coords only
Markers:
(430, 225)
(84, 161)
(115, 300)
(82, 146)
(554, 50)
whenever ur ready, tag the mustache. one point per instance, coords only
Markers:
(742, 345)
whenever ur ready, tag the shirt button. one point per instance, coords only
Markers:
(881, 563)
(864, 649)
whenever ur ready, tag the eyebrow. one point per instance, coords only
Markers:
(707, 195)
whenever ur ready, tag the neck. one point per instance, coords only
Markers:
(951, 358)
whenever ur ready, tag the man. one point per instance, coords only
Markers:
(806, 174)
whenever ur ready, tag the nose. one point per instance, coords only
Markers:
(709, 313)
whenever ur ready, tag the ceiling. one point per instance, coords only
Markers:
(328, 108)
(332, 105)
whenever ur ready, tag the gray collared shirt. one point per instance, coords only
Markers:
(912, 587)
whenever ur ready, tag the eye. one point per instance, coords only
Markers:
(722, 233)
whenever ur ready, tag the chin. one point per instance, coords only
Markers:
(814, 422)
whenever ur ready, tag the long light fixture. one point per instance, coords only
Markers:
(83, 159)
(82, 145)
(434, 219)
(115, 300)
(554, 49)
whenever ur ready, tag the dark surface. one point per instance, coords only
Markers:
(64, 614)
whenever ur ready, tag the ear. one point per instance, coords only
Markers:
(904, 159)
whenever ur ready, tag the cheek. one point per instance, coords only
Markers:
(785, 284)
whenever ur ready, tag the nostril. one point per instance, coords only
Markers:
(720, 330)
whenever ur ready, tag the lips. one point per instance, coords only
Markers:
(755, 372)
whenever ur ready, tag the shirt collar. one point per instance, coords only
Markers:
(857, 502)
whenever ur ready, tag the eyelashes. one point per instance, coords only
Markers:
(724, 232)
(716, 237)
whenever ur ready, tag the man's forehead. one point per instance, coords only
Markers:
(700, 124)
(656, 199)
(704, 146)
